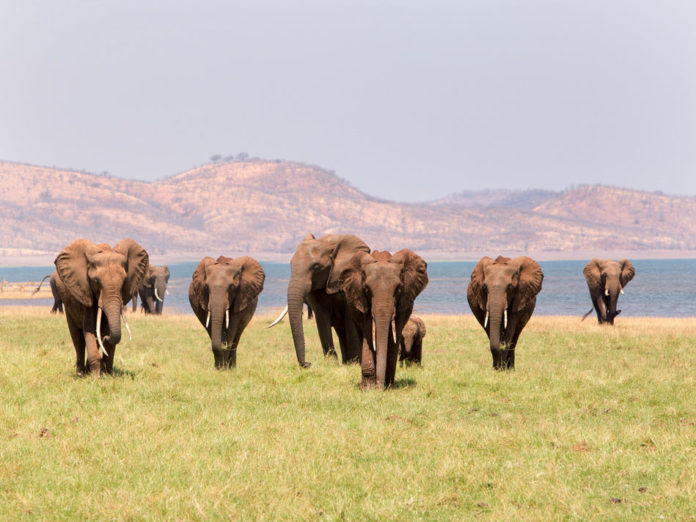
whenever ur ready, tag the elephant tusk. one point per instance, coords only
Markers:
(207, 321)
(99, 339)
(130, 335)
(485, 321)
(280, 317)
(227, 319)
(505, 319)
(157, 296)
(606, 291)
(621, 290)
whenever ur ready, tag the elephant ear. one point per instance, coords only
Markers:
(71, 265)
(475, 293)
(250, 284)
(627, 271)
(197, 288)
(529, 284)
(593, 273)
(137, 263)
(352, 281)
(346, 245)
(414, 275)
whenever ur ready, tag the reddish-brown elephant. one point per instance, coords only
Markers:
(412, 342)
(606, 279)
(380, 288)
(502, 296)
(93, 282)
(223, 294)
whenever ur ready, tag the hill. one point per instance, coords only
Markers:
(268, 206)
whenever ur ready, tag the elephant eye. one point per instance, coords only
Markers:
(96, 280)
(316, 266)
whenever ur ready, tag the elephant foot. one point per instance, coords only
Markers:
(331, 352)
(368, 384)
(305, 364)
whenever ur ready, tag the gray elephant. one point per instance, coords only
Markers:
(93, 282)
(314, 279)
(152, 290)
(223, 294)
(606, 279)
(380, 290)
(57, 301)
(412, 342)
(502, 296)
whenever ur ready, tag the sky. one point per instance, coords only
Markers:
(406, 100)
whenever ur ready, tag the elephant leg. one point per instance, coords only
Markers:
(601, 310)
(323, 319)
(351, 352)
(392, 356)
(417, 351)
(93, 356)
(107, 362)
(233, 334)
(342, 343)
(78, 340)
(368, 367)
(498, 363)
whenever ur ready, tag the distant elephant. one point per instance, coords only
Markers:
(502, 296)
(380, 287)
(152, 290)
(57, 301)
(223, 294)
(606, 279)
(314, 272)
(412, 341)
(93, 282)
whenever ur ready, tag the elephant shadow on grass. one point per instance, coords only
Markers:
(399, 384)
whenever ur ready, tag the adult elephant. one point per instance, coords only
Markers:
(315, 268)
(502, 296)
(93, 282)
(380, 287)
(57, 301)
(606, 279)
(223, 294)
(152, 290)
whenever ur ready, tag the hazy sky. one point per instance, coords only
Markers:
(407, 100)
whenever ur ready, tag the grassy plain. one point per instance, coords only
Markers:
(595, 423)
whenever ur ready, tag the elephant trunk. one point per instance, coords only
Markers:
(497, 311)
(382, 314)
(297, 293)
(217, 319)
(112, 312)
(612, 301)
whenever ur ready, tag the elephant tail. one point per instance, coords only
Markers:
(40, 283)
(588, 313)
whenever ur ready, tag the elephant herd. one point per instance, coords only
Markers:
(364, 296)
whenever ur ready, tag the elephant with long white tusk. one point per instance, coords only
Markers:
(152, 290)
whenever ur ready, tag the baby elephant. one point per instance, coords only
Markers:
(223, 294)
(412, 341)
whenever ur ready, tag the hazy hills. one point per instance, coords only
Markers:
(268, 206)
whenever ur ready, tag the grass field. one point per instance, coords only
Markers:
(595, 423)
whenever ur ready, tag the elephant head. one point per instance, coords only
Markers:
(382, 286)
(502, 295)
(100, 277)
(606, 279)
(154, 287)
(223, 286)
(316, 265)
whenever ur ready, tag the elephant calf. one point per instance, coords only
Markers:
(412, 341)
(223, 294)
(502, 296)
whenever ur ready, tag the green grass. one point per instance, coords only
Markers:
(595, 423)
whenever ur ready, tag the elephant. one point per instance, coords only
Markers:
(223, 294)
(152, 290)
(606, 279)
(57, 301)
(381, 287)
(315, 268)
(412, 342)
(93, 282)
(502, 296)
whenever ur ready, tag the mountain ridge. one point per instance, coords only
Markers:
(268, 206)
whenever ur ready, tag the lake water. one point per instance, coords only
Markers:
(661, 288)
